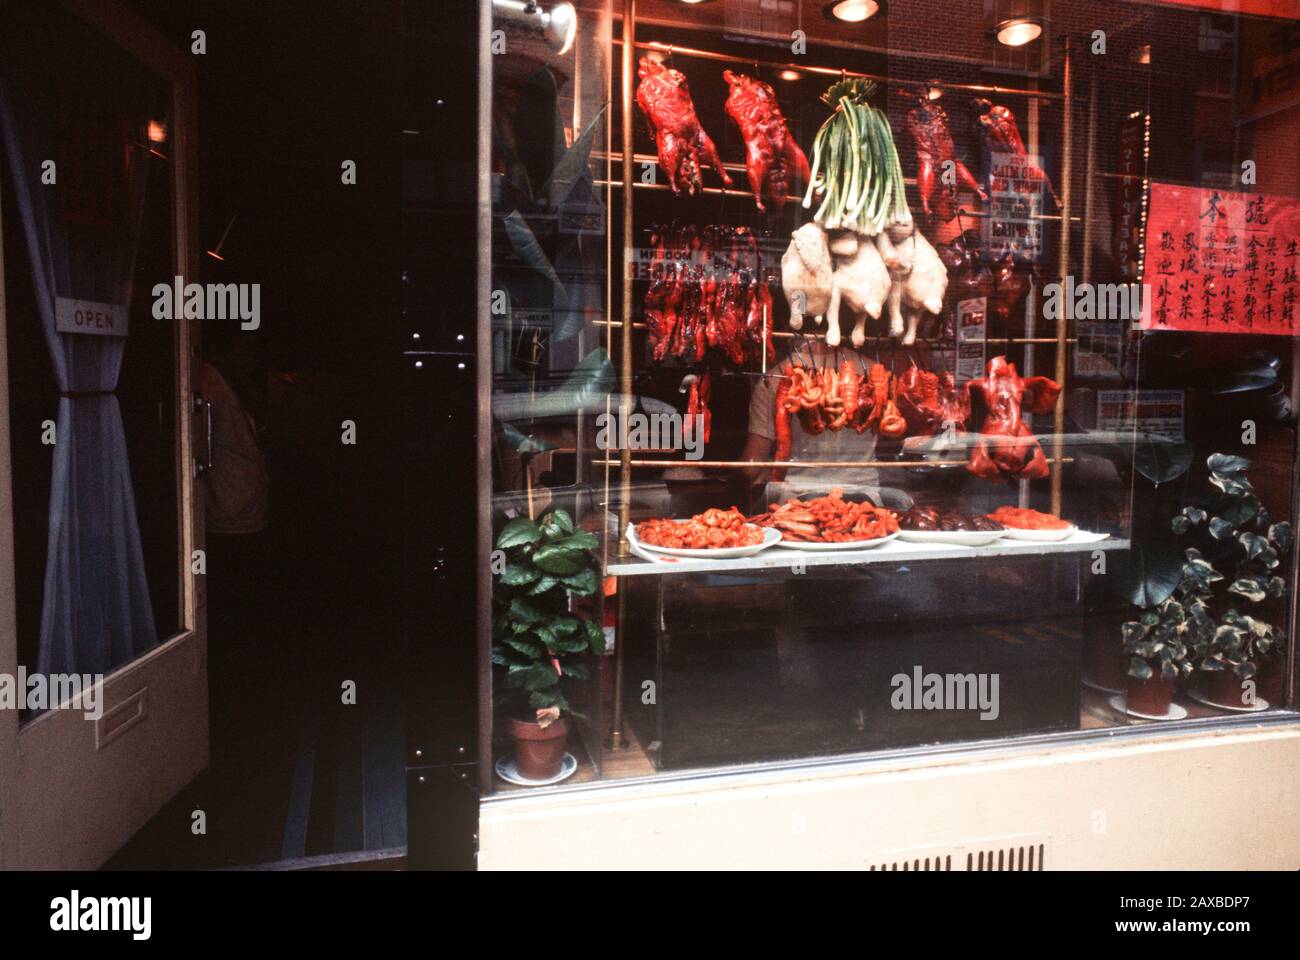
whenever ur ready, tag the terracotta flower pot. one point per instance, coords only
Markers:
(1223, 687)
(539, 751)
(1150, 697)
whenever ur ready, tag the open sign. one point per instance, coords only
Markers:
(88, 317)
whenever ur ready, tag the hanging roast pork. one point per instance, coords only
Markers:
(1007, 448)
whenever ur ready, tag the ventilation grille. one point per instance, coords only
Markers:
(1002, 853)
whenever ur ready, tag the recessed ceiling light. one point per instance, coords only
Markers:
(852, 11)
(1019, 31)
(790, 75)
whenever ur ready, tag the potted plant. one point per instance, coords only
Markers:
(542, 570)
(1180, 600)
(1157, 644)
(1245, 540)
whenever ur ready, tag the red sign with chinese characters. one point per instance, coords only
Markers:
(1221, 262)
(1259, 8)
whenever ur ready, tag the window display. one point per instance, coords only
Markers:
(867, 382)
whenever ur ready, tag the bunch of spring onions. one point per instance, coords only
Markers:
(855, 166)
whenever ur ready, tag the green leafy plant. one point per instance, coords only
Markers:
(1163, 638)
(1243, 535)
(1178, 630)
(539, 639)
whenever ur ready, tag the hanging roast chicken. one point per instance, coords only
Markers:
(1001, 135)
(928, 124)
(772, 157)
(684, 148)
(1007, 449)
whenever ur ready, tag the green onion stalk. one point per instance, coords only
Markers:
(855, 167)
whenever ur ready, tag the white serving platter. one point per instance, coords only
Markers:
(770, 538)
(961, 538)
(1041, 536)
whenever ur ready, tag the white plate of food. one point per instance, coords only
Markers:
(770, 537)
(960, 538)
(1023, 523)
(819, 546)
(1043, 535)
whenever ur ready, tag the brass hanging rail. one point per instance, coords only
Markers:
(820, 335)
(731, 192)
(836, 72)
(806, 464)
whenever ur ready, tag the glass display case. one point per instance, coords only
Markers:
(876, 376)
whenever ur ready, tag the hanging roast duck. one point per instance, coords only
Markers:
(1001, 135)
(684, 148)
(773, 159)
(927, 122)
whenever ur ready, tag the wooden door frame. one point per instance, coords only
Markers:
(127, 31)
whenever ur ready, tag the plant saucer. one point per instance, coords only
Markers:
(1259, 704)
(507, 771)
(1120, 703)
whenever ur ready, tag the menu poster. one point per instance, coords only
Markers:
(1015, 202)
(1100, 347)
(1128, 195)
(1155, 414)
(1221, 262)
(972, 330)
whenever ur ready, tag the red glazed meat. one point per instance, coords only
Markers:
(684, 148)
(1006, 449)
(773, 159)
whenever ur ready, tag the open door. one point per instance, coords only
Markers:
(100, 513)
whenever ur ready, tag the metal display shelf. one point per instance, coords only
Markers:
(644, 563)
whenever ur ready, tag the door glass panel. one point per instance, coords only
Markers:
(86, 188)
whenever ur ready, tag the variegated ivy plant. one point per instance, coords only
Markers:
(1181, 630)
(538, 637)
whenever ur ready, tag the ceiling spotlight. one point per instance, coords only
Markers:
(558, 27)
(790, 75)
(1141, 54)
(852, 11)
(1019, 31)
